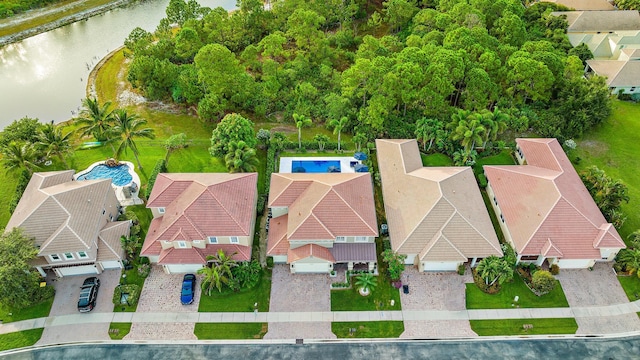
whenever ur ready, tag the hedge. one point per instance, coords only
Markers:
(161, 167)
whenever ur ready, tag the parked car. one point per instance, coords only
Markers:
(188, 288)
(88, 294)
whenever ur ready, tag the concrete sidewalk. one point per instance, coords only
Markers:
(333, 316)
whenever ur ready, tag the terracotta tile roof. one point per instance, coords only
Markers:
(64, 215)
(199, 256)
(110, 247)
(199, 205)
(347, 252)
(541, 204)
(277, 243)
(309, 250)
(323, 206)
(436, 212)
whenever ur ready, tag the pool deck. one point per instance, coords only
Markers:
(345, 162)
(134, 199)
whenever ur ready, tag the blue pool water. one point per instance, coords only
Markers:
(315, 166)
(119, 175)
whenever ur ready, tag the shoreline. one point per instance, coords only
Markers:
(83, 15)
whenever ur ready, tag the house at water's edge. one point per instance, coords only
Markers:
(436, 214)
(197, 214)
(72, 223)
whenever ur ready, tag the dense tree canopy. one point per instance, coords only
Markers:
(382, 68)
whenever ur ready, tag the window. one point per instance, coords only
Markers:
(182, 244)
(234, 240)
(69, 256)
(501, 217)
(196, 242)
(361, 239)
(529, 257)
(55, 257)
(82, 255)
(341, 238)
(495, 201)
(212, 239)
(161, 210)
(104, 211)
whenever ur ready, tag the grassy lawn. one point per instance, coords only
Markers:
(368, 329)
(614, 147)
(240, 301)
(47, 18)
(436, 160)
(379, 299)
(223, 331)
(33, 312)
(476, 299)
(515, 326)
(20, 339)
(631, 286)
(119, 330)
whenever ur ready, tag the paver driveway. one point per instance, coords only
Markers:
(595, 288)
(435, 291)
(161, 293)
(299, 292)
(66, 303)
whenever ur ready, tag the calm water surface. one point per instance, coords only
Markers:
(45, 76)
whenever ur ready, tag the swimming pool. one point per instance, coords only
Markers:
(119, 175)
(315, 166)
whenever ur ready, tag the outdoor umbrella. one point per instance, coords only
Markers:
(360, 156)
(361, 168)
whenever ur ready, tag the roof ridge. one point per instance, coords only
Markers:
(66, 223)
(276, 196)
(224, 208)
(410, 233)
(301, 196)
(541, 223)
(352, 209)
(455, 210)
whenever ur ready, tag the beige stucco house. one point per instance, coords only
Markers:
(436, 215)
(197, 214)
(545, 211)
(72, 222)
(322, 219)
(588, 5)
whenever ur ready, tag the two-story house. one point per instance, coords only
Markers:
(72, 223)
(322, 219)
(196, 214)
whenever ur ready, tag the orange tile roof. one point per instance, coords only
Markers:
(199, 256)
(323, 206)
(545, 202)
(199, 205)
(277, 243)
(310, 250)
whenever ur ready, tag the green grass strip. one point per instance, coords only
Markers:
(524, 326)
(214, 331)
(368, 329)
(20, 339)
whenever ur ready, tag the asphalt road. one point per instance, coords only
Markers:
(521, 349)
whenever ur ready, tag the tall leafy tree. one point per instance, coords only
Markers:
(322, 140)
(630, 259)
(337, 126)
(301, 121)
(607, 193)
(173, 143)
(241, 158)
(128, 127)
(358, 139)
(427, 131)
(95, 119)
(53, 142)
(19, 156)
(233, 127)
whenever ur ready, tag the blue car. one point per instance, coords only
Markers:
(188, 288)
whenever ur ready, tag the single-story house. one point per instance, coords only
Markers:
(322, 219)
(582, 5)
(436, 215)
(622, 76)
(197, 214)
(545, 211)
(73, 223)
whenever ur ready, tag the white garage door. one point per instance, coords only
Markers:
(311, 267)
(77, 270)
(439, 266)
(182, 268)
(111, 265)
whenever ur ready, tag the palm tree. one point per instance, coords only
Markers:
(366, 282)
(630, 259)
(19, 156)
(212, 279)
(241, 158)
(322, 139)
(495, 123)
(127, 128)
(95, 120)
(427, 129)
(468, 129)
(301, 121)
(338, 125)
(53, 142)
(359, 139)
(223, 262)
(634, 239)
(494, 269)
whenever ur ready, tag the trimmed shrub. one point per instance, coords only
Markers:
(554, 269)
(542, 282)
(132, 289)
(144, 270)
(262, 199)
(161, 167)
(461, 269)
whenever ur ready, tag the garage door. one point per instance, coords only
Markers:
(182, 268)
(439, 266)
(111, 265)
(77, 270)
(311, 267)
